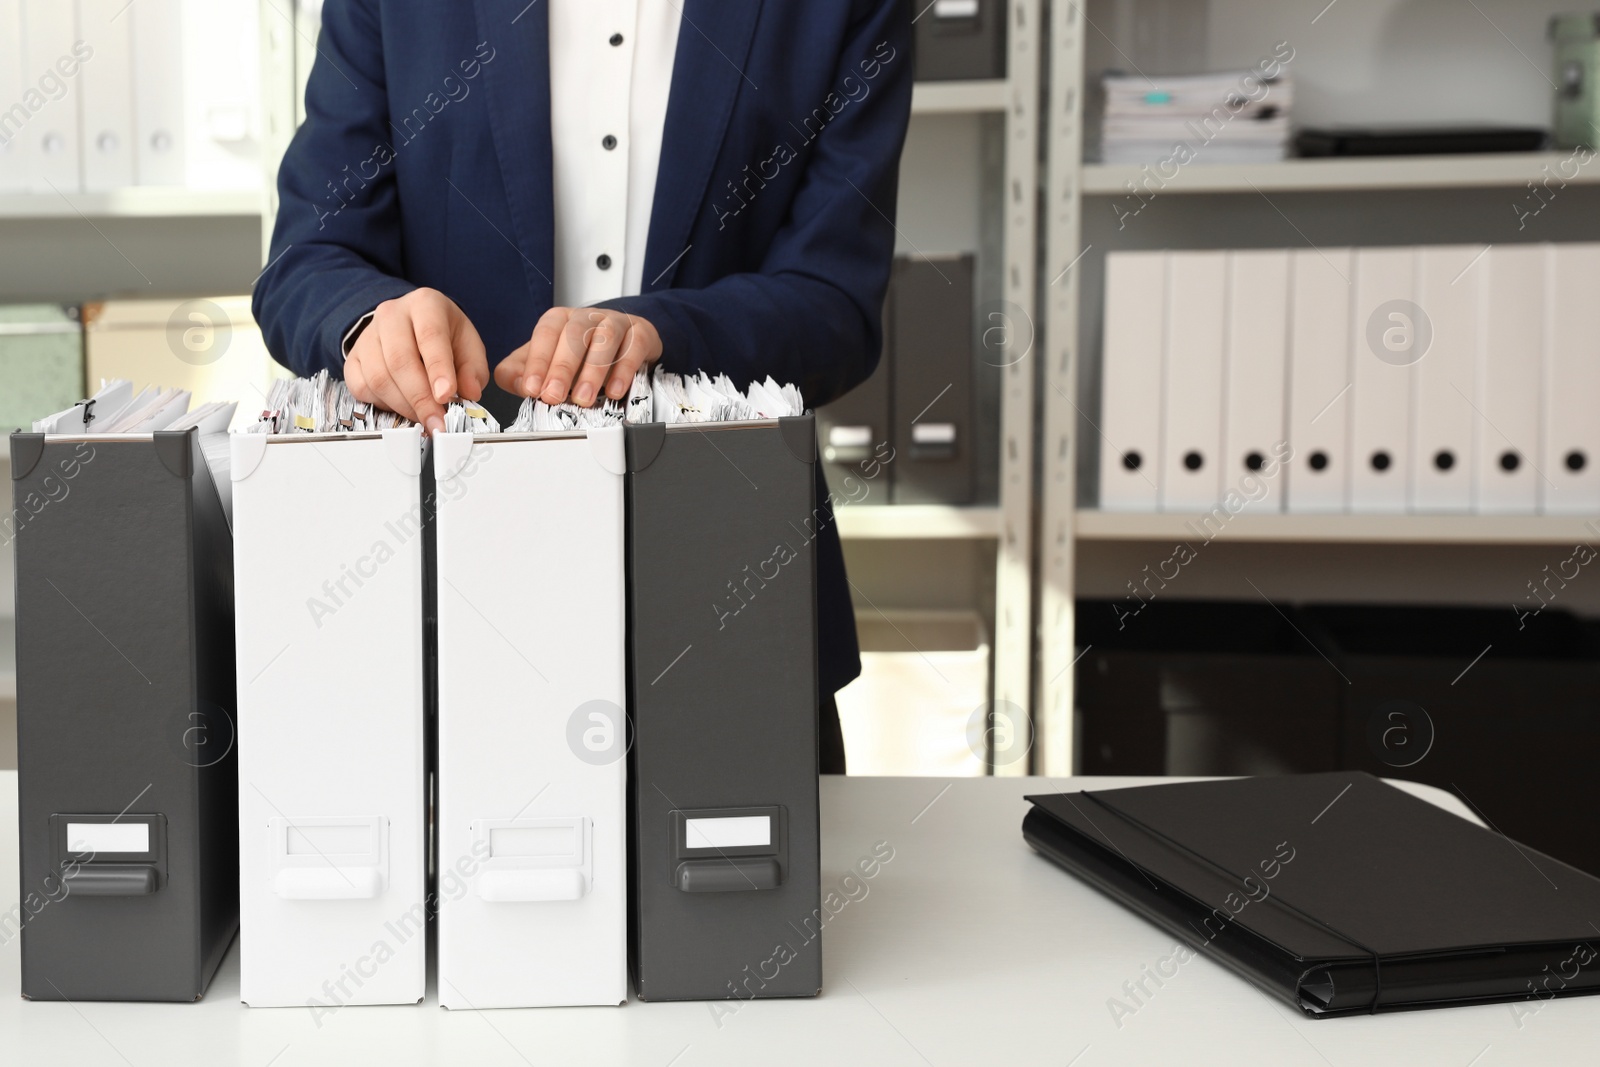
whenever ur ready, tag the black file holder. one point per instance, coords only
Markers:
(125, 683)
(1510, 712)
(855, 436)
(930, 313)
(722, 683)
(961, 40)
(1201, 687)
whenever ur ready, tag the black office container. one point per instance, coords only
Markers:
(854, 435)
(960, 40)
(722, 683)
(125, 685)
(1501, 708)
(930, 312)
(1201, 687)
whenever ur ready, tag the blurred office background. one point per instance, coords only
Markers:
(1094, 340)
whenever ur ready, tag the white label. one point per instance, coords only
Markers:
(728, 833)
(348, 840)
(934, 433)
(103, 837)
(545, 842)
(955, 9)
(850, 436)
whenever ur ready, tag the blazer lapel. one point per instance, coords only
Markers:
(518, 84)
(707, 77)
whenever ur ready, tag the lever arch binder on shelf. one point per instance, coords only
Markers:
(52, 44)
(1571, 448)
(1253, 432)
(1450, 289)
(1319, 380)
(106, 93)
(125, 680)
(1387, 331)
(1514, 337)
(532, 855)
(1130, 415)
(723, 696)
(329, 558)
(1191, 403)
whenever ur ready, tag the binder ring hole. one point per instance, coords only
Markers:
(1380, 460)
(1193, 461)
(1510, 461)
(1444, 460)
(1132, 460)
(1254, 461)
(1576, 461)
(1318, 461)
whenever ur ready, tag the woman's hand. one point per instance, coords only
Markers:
(580, 353)
(418, 352)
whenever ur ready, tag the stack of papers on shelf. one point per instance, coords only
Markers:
(1230, 117)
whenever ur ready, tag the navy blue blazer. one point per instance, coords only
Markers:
(425, 161)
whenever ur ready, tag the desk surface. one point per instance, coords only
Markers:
(966, 948)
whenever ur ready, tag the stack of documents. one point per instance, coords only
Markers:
(125, 674)
(1439, 379)
(1230, 117)
(320, 404)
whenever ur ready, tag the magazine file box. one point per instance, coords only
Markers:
(125, 754)
(722, 522)
(329, 553)
(532, 857)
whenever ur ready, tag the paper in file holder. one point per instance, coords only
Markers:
(329, 553)
(532, 852)
(723, 700)
(125, 678)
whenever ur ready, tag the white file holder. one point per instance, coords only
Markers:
(532, 736)
(328, 588)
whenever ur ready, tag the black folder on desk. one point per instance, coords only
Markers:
(722, 680)
(1336, 892)
(125, 681)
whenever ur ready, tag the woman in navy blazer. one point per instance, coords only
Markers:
(420, 188)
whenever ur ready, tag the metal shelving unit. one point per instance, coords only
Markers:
(1313, 175)
(1383, 544)
(135, 202)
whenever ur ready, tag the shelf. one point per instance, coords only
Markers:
(1093, 525)
(1312, 175)
(151, 202)
(917, 522)
(959, 98)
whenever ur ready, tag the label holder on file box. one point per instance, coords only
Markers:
(329, 857)
(720, 850)
(110, 855)
(535, 860)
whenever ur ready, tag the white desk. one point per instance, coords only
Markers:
(967, 948)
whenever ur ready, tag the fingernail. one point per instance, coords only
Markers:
(556, 391)
(441, 389)
(618, 387)
(531, 387)
(586, 394)
(435, 425)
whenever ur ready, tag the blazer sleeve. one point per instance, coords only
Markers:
(813, 314)
(336, 245)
